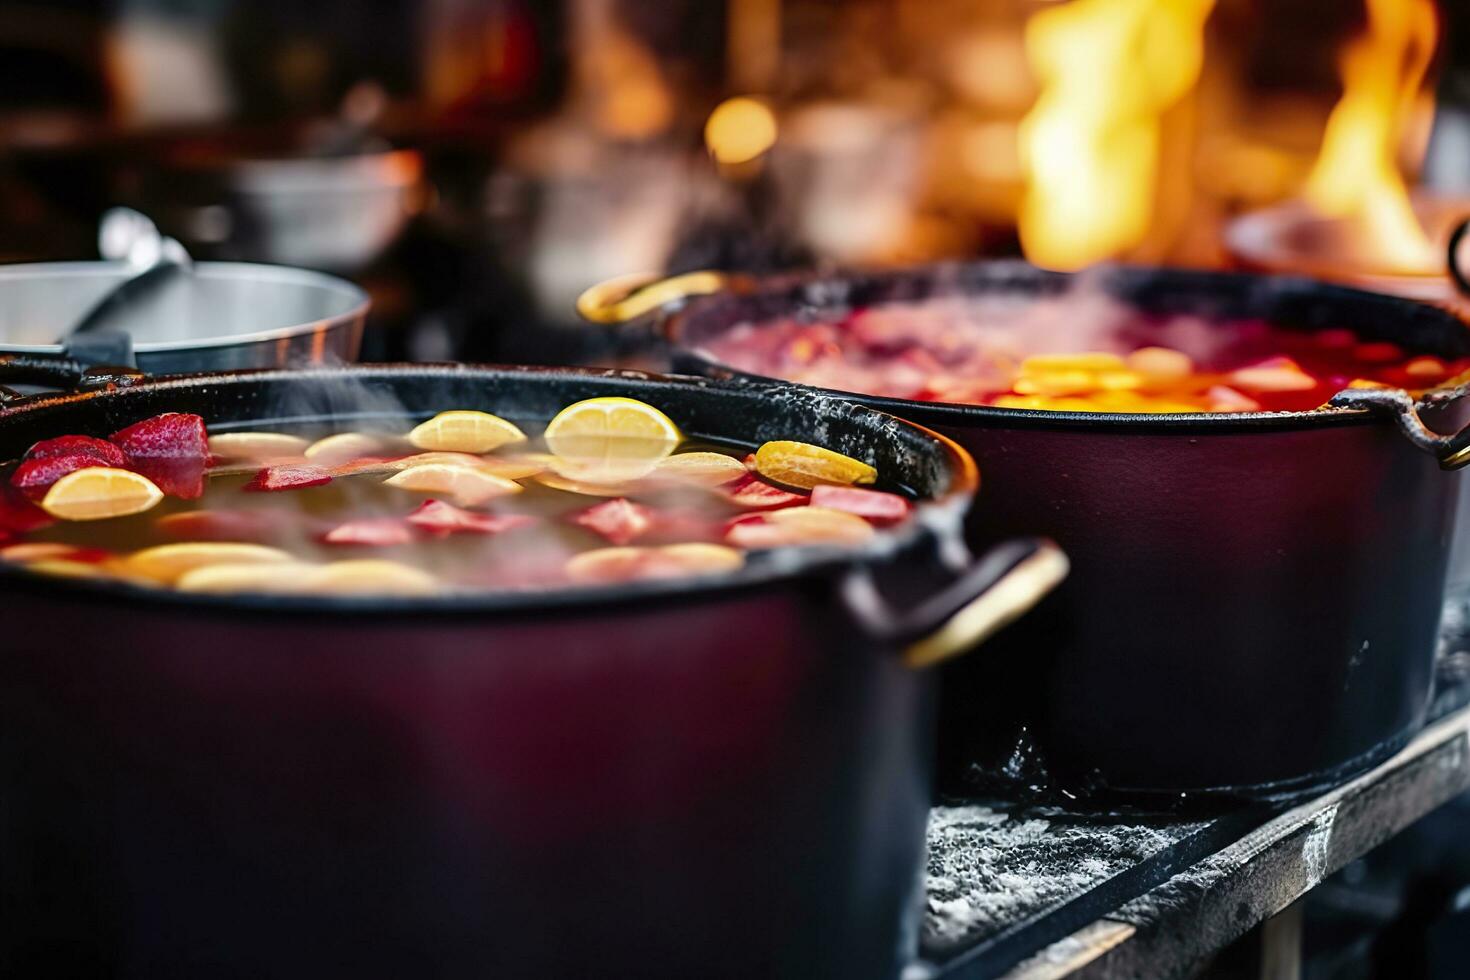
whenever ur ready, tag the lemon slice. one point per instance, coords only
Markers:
(700, 469)
(467, 486)
(610, 440)
(344, 447)
(256, 445)
(558, 482)
(372, 577)
(168, 562)
(799, 464)
(465, 432)
(99, 492)
(272, 578)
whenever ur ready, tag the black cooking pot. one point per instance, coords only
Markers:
(1255, 597)
(724, 777)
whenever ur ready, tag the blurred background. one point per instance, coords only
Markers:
(476, 163)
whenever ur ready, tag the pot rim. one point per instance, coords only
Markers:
(671, 323)
(939, 519)
(355, 300)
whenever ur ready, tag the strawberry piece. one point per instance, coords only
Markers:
(181, 476)
(377, 532)
(618, 520)
(749, 492)
(437, 517)
(289, 477)
(874, 505)
(172, 435)
(35, 476)
(18, 514)
(105, 452)
(680, 526)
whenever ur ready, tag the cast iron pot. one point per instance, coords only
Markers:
(1255, 598)
(725, 777)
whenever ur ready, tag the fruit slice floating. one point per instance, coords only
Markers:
(45, 550)
(438, 517)
(800, 464)
(344, 447)
(66, 568)
(277, 578)
(752, 493)
(610, 440)
(173, 435)
(612, 565)
(167, 562)
(19, 515)
(875, 505)
(619, 521)
(180, 476)
(100, 492)
(466, 486)
(700, 469)
(288, 477)
(558, 482)
(370, 577)
(465, 432)
(798, 526)
(35, 476)
(100, 449)
(375, 532)
(256, 445)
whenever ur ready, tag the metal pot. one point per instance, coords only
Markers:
(1255, 598)
(221, 316)
(725, 777)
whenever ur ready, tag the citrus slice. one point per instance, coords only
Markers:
(65, 568)
(168, 562)
(466, 486)
(274, 578)
(558, 482)
(256, 445)
(700, 469)
(100, 492)
(610, 565)
(696, 558)
(799, 464)
(508, 467)
(372, 577)
(344, 447)
(798, 526)
(610, 440)
(38, 551)
(465, 432)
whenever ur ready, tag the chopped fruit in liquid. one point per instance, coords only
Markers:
(465, 432)
(99, 449)
(35, 476)
(685, 515)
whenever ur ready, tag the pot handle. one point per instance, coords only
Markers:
(632, 297)
(1458, 273)
(990, 593)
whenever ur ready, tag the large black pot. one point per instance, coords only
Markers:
(1254, 600)
(723, 778)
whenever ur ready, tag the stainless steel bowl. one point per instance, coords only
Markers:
(224, 316)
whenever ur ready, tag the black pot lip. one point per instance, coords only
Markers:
(671, 324)
(940, 520)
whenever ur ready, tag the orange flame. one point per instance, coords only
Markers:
(1357, 175)
(1090, 147)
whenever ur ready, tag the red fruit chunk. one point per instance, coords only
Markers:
(875, 505)
(678, 527)
(437, 517)
(19, 515)
(749, 492)
(35, 476)
(105, 452)
(172, 435)
(378, 532)
(289, 477)
(619, 520)
(180, 476)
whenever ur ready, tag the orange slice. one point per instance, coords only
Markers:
(465, 432)
(466, 486)
(372, 577)
(100, 492)
(700, 469)
(273, 578)
(169, 562)
(256, 445)
(344, 447)
(799, 464)
(610, 440)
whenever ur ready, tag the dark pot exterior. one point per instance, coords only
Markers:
(1254, 602)
(726, 778)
